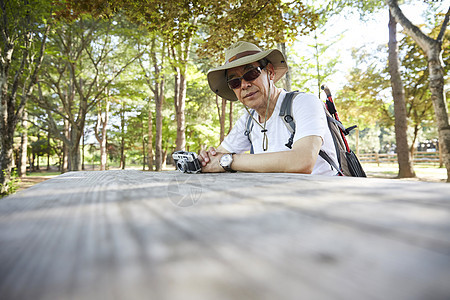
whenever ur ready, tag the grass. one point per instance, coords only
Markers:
(43, 174)
(424, 172)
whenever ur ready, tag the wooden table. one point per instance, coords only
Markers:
(145, 235)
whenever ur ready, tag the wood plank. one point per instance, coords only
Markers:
(134, 235)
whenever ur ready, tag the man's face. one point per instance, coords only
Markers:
(252, 94)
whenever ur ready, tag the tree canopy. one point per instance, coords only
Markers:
(124, 82)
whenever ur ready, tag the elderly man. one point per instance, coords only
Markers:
(249, 75)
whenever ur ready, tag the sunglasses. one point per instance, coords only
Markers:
(248, 76)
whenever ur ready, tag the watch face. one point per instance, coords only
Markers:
(226, 160)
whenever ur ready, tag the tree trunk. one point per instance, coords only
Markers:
(433, 51)
(440, 107)
(231, 116)
(221, 112)
(144, 152)
(416, 134)
(103, 149)
(74, 148)
(102, 122)
(83, 145)
(122, 138)
(159, 125)
(180, 61)
(157, 86)
(150, 139)
(10, 108)
(74, 158)
(223, 115)
(403, 155)
(6, 154)
(180, 113)
(164, 157)
(317, 56)
(48, 151)
(65, 152)
(287, 78)
(22, 168)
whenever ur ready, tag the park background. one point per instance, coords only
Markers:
(122, 84)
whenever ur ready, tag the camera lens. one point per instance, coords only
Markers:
(180, 166)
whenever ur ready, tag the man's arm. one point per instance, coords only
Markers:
(301, 159)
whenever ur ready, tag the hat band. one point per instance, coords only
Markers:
(240, 55)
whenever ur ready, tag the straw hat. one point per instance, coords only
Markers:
(240, 54)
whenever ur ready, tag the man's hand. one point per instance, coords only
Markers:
(210, 161)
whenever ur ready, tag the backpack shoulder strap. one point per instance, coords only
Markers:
(249, 127)
(328, 159)
(286, 115)
(288, 119)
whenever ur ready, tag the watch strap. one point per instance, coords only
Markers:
(228, 168)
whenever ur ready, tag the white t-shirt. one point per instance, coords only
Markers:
(310, 119)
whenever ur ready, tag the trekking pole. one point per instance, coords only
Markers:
(332, 109)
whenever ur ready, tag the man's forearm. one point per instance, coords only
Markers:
(301, 159)
(276, 162)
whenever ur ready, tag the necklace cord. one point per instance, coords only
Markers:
(265, 144)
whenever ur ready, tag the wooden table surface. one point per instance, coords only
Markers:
(147, 235)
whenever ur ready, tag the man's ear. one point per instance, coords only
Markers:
(271, 71)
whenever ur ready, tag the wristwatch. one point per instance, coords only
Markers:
(226, 160)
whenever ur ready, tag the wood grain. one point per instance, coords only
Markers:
(147, 235)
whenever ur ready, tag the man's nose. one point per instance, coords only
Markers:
(245, 84)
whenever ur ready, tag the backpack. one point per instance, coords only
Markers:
(349, 164)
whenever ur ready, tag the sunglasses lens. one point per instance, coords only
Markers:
(252, 74)
(248, 76)
(234, 83)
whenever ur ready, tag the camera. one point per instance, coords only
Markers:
(187, 162)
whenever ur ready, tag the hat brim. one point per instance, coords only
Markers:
(218, 82)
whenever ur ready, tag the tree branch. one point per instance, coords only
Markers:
(33, 78)
(416, 34)
(264, 6)
(43, 103)
(440, 36)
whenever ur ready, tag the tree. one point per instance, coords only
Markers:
(401, 124)
(24, 29)
(22, 166)
(416, 79)
(266, 23)
(154, 57)
(316, 62)
(223, 22)
(100, 128)
(77, 75)
(433, 50)
(363, 97)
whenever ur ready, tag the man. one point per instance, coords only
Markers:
(249, 75)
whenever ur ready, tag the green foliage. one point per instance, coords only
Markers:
(41, 147)
(365, 100)
(80, 40)
(313, 63)
(11, 186)
(222, 22)
(262, 22)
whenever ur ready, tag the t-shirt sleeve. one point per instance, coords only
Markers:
(236, 141)
(309, 115)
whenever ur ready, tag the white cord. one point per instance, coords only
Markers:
(264, 130)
